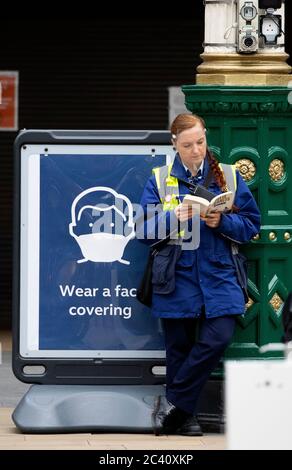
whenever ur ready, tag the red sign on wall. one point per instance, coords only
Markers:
(8, 101)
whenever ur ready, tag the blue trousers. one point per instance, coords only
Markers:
(193, 350)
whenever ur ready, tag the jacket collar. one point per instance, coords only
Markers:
(178, 170)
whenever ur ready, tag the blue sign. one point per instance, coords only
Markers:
(90, 261)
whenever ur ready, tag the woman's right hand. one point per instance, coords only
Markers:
(184, 212)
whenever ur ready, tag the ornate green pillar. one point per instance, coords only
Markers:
(244, 97)
(252, 128)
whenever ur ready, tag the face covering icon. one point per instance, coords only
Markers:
(102, 224)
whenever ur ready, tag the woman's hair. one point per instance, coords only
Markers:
(181, 123)
(217, 172)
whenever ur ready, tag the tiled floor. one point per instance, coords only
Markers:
(11, 391)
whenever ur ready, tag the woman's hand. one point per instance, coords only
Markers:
(212, 220)
(184, 212)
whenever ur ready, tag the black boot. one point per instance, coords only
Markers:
(174, 420)
(191, 427)
(166, 418)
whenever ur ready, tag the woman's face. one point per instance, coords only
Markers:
(191, 145)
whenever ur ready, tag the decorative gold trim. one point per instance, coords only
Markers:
(249, 303)
(272, 236)
(246, 168)
(287, 236)
(276, 169)
(256, 237)
(236, 63)
(276, 302)
(244, 69)
(243, 79)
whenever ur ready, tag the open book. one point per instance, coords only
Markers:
(220, 203)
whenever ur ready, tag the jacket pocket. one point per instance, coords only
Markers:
(161, 263)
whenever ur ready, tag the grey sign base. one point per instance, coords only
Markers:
(87, 408)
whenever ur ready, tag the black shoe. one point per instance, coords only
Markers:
(166, 418)
(191, 427)
(174, 420)
(157, 416)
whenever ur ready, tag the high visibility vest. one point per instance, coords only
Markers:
(168, 187)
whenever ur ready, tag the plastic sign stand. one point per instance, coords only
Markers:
(85, 408)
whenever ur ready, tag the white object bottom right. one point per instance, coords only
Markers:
(258, 398)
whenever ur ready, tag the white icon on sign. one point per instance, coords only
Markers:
(102, 224)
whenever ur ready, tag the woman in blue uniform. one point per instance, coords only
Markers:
(206, 290)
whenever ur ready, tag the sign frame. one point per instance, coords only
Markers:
(78, 370)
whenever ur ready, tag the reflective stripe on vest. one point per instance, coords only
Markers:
(230, 176)
(168, 185)
(168, 192)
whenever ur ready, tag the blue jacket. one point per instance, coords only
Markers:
(204, 276)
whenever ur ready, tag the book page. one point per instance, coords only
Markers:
(221, 203)
(199, 204)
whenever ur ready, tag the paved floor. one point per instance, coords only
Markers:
(11, 438)
(12, 390)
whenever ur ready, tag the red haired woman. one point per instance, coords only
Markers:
(206, 296)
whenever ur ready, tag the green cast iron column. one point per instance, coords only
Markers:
(252, 127)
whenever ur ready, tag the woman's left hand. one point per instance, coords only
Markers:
(212, 220)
